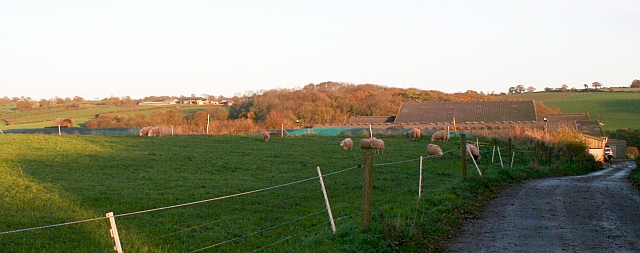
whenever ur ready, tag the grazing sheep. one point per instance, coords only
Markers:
(474, 151)
(145, 131)
(415, 133)
(377, 145)
(265, 136)
(155, 131)
(440, 135)
(347, 144)
(365, 144)
(434, 150)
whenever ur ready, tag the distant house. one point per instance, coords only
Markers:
(193, 101)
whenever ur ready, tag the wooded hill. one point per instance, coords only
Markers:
(336, 102)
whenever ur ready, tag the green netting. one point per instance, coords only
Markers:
(354, 131)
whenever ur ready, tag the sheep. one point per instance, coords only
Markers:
(155, 131)
(145, 131)
(434, 150)
(377, 145)
(414, 133)
(347, 144)
(440, 135)
(265, 136)
(474, 151)
(365, 144)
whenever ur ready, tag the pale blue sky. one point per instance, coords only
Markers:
(97, 49)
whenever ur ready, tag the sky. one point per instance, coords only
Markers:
(99, 49)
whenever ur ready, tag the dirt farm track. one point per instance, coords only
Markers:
(598, 212)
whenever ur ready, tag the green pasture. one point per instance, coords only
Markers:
(44, 117)
(50, 179)
(614, 109)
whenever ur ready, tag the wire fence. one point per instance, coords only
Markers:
(292, 225)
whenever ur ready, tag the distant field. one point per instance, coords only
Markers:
(44, 117)
(614, 109)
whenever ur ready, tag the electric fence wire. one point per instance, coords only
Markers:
(259, 231)
(406, 161)
(262, 207)
(299, 233)
(174, 206)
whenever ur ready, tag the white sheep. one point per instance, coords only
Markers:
(377, 145)
(474, 151)
(365, 144)
(434, 150)
(440, 135)
(145, 131)
(155, 131)
(265, 136)
(347, 144)
(415, 133)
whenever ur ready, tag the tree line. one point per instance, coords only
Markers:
(327, 102)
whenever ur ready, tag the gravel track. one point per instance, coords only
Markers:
(598, 212)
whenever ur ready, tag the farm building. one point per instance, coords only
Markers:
(485, 111)
(372, 119)
(193, 101)
(62, 122)
(487, 118)
(483, 117)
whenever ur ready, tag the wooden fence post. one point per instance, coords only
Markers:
(367, 189)
(510, 150)
(326, 201)
(420, 181)
(114, 232)
(463, 153)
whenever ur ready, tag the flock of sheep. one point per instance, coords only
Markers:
(432, 149)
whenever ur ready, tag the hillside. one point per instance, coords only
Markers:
(614, 109)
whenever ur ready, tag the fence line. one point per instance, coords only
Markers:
(406, 161)
(219, 198)
(175, 206)
(259, 231)
(51, 226)
(228, 217)
(297, 234)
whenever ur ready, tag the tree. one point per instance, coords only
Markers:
(635, 84)
(564, 87)
(512, 90)
(217, 113)
(586, 87)
(596, 85)
(531, 89)
(26, 104)
(520, 89)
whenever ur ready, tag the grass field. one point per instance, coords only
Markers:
(45, 117)
(47, 180)
(614, 109)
